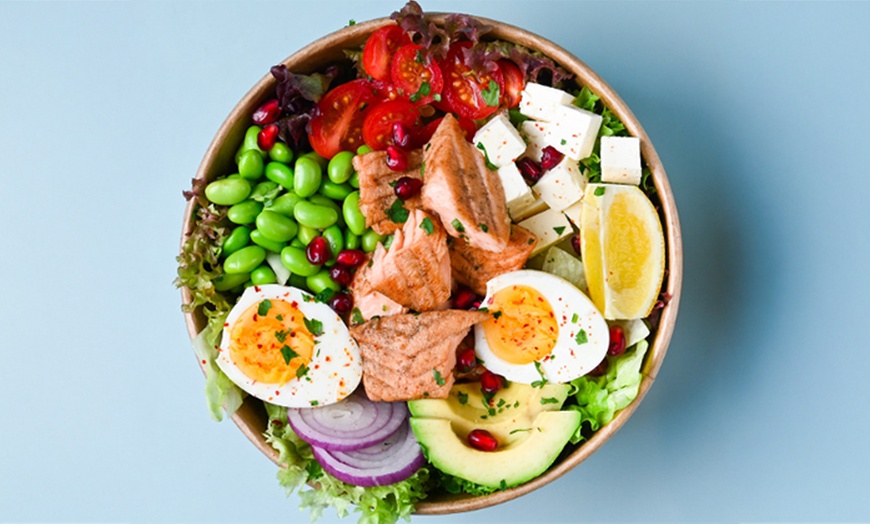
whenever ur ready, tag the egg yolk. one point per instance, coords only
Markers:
(522, 328)
(270, 343)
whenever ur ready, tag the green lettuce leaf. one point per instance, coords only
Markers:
(220, 393)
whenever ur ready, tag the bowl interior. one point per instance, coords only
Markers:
(218, 160)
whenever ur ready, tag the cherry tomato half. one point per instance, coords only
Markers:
(378, 125)
(513, 83)
(378, 51)
(471, 94)
(340, 115)
(417, 77)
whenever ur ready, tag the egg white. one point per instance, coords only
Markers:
(568, 359)
(326, 382)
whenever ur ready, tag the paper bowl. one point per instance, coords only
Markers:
(219, 160)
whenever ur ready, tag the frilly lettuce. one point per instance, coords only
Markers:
(220, 392)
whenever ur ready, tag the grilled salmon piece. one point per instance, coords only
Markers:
(475, 267)
(376, 195)
(415, 271)
(412, 356)
(369, 302)
(466, 195)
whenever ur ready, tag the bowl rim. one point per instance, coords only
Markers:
(329, 48)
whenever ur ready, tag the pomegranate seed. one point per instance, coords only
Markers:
(482, 440)
(341, 303)
(575, 243)
(351, 257)
(617, 341)
(550, 157)
(600, 369)
(530, 170)
(407, 187)
(317, 251)
(490, 382)
(401, 137)
(464, 298)
(397, 158)
(341, 275)
(267, 137)
(267, 113)
(467, 360)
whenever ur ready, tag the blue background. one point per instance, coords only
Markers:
(759, 111)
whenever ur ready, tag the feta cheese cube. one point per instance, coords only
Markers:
(549, 227)
(539, 101)
(518, 195)
(525, 210)
(536, 135)
(574, 131)
(500, 141)
(561, 186)
(574, 213)
(620, 159)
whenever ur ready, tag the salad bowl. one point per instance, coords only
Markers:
(218, 160)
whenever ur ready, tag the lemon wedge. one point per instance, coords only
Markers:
(623, 250)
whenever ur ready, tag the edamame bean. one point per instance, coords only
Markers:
(228, 281)
(353, 217)
(244, 212)
(351, 241)
(314, 216)
(296, 242)
(306, 234)
(284, 204)
(307, 176)
(228, 191)
(322, 200)
(280, 173)
(298, 281)
(363, 149)
(236, 240)
(321, 281)
(244, 260)
(340, 167)
(322, 162)
(262, 275)
(335, 191)
(257, 237)
(281, 152)
(251, 164)
(335, 238)
(295, 260)
(265, 190)
(276, 226)
(370, 240)
(250, 142)
(354, 180)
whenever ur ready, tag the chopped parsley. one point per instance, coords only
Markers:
(489, 164)
(349, 23)
(496, 314)
(264, 307)
(356, 316)
(427, 226)
(425, 90)
(503, 484)
(531, 241)
(491, 94)
(281, 335)
(314, 326)
(436, 97)
(397, 212)
(314, 403)
(563, 142)
(518, 430)
(574, 318)
(549, 400)
(559, 229)
(581, 337)
(543, 381)
(288, 354)
(438, 378)
(599, 190)
(463, 397)
(301, 371)
(457, 225)
(325, 295)
(279, 318)
(483, 227)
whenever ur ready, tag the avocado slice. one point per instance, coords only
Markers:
(509, 465)
(516, 406)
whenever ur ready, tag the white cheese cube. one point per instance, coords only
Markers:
(574, 213)
(536, 135)
(620, 159)
(539, 101)
(574, 131)
(561, 186)
(635, 330)
(518, 195)
(500, 141)
(549, 227)
(525, 210)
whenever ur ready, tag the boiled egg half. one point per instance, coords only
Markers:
(542, 328)
(282, 346)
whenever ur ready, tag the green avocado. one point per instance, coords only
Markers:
(516, 406)
(509, 465)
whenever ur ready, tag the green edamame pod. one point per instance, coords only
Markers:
(284, 204)
(322, 200)
(334, 191)
(370, 240)
(298, 281)
(306, 234)
(322, 162)
(257, 237)
(238, 238)
(264, 191)
(281, 152)
(340, 167)
(353, 217)
(276, 226)
(228, 191)
(297, 262)
(314, 216)
(250, 142)
(244, 212)
(297, 242)
(307, 176)
(280, 174)
(351, 241)
(228, 281)
(320, 281)
(251, 164)
(335, 238)
(354, 180)
(263, 274)
(244, 260)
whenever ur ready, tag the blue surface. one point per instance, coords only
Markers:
(758, 110)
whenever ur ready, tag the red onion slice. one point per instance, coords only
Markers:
(354, 423)
(393, 460)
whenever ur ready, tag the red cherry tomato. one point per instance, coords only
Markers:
(379, 48)
(339, 120)
(513, 83)
(417, 77)
(385, 91)
(470, 94)
(378, 125)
